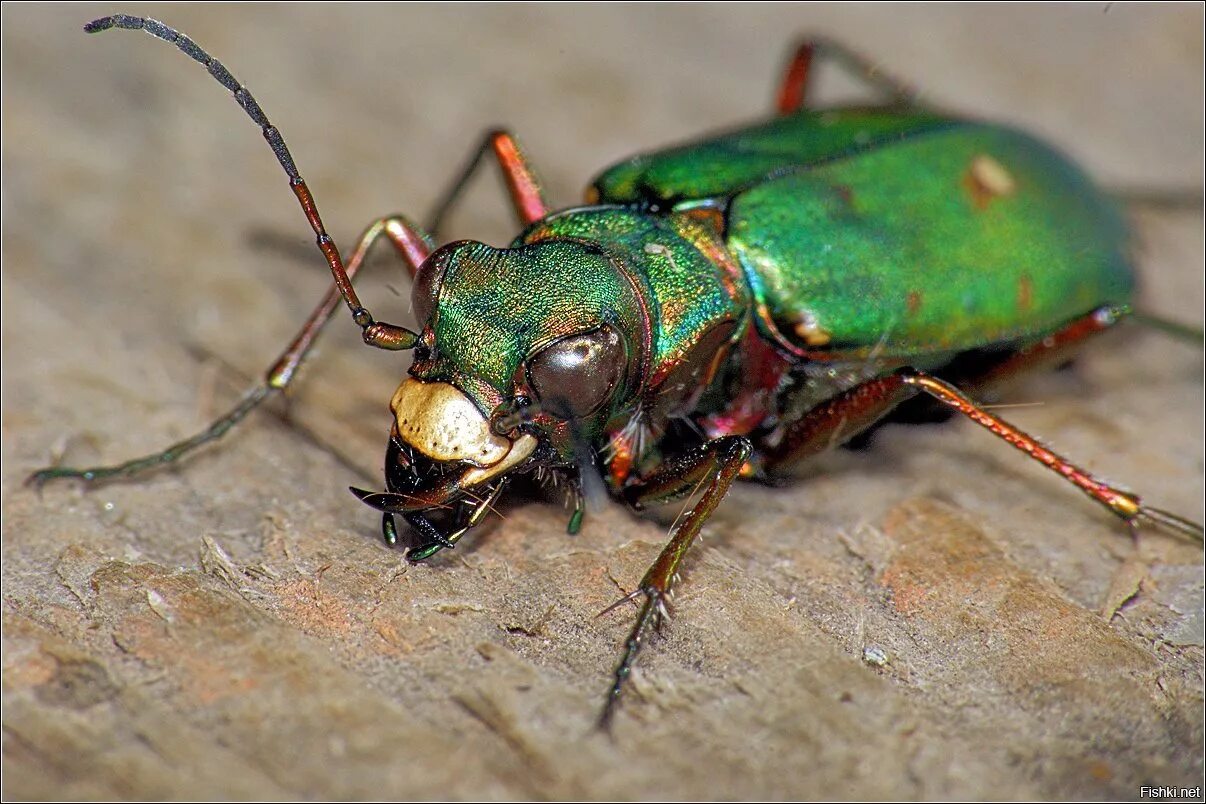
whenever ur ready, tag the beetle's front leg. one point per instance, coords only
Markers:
(717, 464)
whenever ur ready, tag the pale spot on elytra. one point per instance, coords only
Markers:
(987, 179)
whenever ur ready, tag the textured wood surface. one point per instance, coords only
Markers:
(930, 618)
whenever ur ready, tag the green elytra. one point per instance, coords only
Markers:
(871, 225)
(780, 288)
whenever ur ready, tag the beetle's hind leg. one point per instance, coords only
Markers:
(1123, 504)
(838, 420)
(793, 88)
(981, 374)
(413, 247)
(714, 466)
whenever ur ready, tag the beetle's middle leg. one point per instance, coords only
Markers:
(716, 464)
(793, 89)
(411, 244)
(523, 185)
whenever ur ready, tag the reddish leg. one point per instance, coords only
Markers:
(794, 87)
(412, 245)
(527, 197)
(831, 424)
(716, 464)
(413, 248)
(848, 414)
(1125, 505)
(793, 90)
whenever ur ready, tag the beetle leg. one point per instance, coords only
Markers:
(793, 89)
(527, 196)
(1123, 504)
(413, 247)
(716, 464)
(831, 423)
(853, 411)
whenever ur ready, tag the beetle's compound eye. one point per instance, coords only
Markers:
(574, 376)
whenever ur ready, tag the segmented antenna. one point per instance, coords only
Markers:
(387, 336)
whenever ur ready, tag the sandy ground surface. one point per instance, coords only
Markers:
(930, 618)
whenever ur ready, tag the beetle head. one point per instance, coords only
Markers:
(525, 356)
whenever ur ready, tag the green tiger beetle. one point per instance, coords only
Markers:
(720, 310)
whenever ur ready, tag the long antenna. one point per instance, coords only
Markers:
(379, 334)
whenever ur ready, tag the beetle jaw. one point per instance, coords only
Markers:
(521, 450)
(440, 421)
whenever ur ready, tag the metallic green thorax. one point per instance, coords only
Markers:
(687, 291)
(897, 230)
